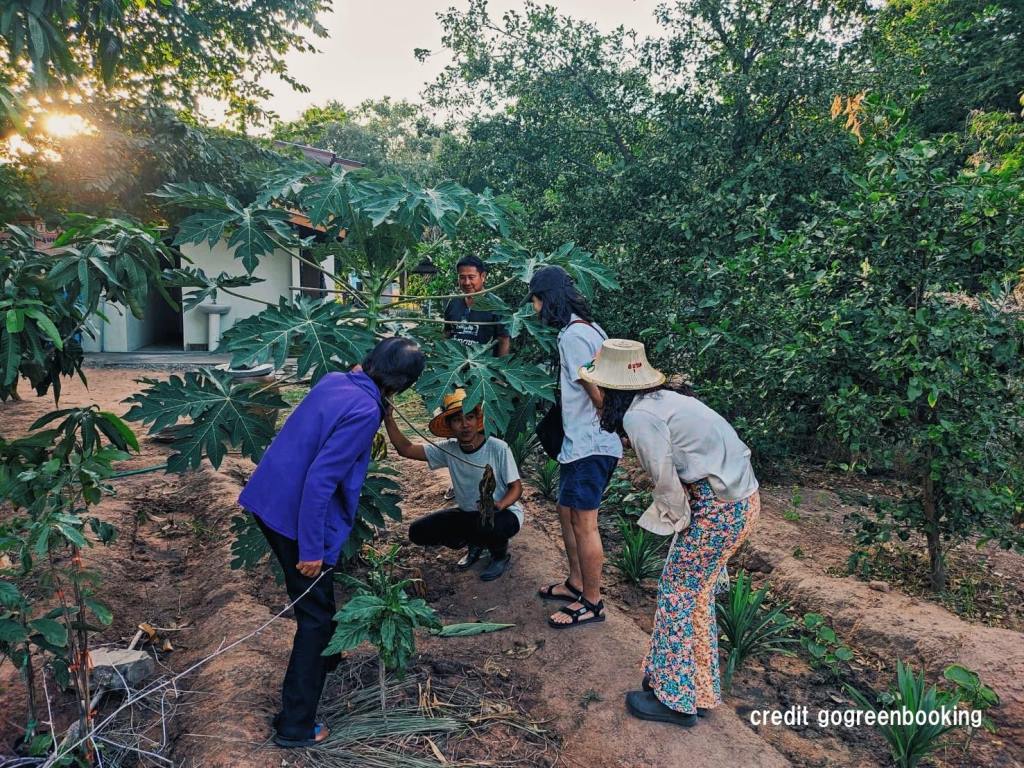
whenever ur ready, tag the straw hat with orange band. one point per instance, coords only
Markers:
(450, 405)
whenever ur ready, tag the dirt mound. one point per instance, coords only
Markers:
(889, 624)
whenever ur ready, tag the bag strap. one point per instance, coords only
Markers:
(587, 322)
(558, 381)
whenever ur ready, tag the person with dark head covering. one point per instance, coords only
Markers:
(304, 495)
(588, 455)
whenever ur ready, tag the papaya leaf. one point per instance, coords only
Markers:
(204, 226)
(493, 212)
(252, 237)
(205, 287)
(327, 198)
(326, 336)
(250, 545)
(197, 195)
(587, 272)
(492, 381)
(222, 411)
(378, 199)
(378, 500)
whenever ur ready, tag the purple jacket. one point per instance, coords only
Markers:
(307, 484)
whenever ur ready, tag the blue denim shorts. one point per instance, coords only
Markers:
(582, 482)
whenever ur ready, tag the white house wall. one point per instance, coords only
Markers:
(120, 333)
(278, 270)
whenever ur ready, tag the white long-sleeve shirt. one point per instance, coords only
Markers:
(678, 440)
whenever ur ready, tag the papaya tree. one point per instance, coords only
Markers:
(376, 227)
(53, 476)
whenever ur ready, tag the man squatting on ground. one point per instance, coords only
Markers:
(466, 453)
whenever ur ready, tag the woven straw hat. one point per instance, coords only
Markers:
(450, 404)
(622, 364)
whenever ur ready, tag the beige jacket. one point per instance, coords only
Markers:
(679, 440)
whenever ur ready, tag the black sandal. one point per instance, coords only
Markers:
(548, 592)
(596, 611)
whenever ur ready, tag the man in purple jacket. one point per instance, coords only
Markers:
(304, 495)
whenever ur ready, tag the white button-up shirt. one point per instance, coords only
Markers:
(678, 440)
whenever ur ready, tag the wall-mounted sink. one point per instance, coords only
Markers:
(214, 309)
(213, 313)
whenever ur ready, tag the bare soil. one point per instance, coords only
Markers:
(170, 567)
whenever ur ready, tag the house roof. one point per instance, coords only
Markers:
(302, 220)
(322, 156)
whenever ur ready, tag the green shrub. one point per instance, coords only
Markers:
(623, 497)
(823, 646)
(978, 696)
(383, 614)
(546, 479)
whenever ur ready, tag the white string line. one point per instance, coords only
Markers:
(153, 688)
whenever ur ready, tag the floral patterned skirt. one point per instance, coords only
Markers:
(682, 663)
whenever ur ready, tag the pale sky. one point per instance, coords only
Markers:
(369, 50)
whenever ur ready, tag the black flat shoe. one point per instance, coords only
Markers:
(495, 568)
(313, 741)
(645, 706)
(472, 555)
(646, 685)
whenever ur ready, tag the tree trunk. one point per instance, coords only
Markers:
(931, 515)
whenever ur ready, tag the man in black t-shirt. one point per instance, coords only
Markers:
(474, 326)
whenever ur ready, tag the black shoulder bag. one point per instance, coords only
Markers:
(549, 429)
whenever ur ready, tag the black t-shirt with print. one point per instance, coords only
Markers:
(470, 324)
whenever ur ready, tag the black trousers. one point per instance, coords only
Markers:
(314, 616)
(456, 528)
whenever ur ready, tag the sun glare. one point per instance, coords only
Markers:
(64, 126)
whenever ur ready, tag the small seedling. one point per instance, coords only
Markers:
(546, 479)
(791, 514)
(748, 627)
(909, 743)
(970, 690)
(383, 614)
(823, 646)
(642, 555)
